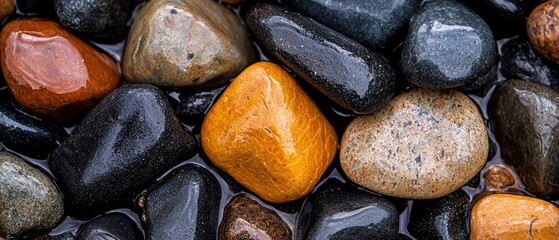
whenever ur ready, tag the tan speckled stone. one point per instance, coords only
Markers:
(424, 144)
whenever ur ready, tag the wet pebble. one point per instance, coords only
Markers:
(543, 29)
(114, 226)
(6, 8)
(498, 177)
(342, 69)
(505, 17)
(193, 107)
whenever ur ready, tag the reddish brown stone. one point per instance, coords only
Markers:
(543, 29)
(51, 72)
(6, 8)
(498, 177)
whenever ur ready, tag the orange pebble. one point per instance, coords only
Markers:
(543, 29)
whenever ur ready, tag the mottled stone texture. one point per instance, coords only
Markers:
(543, 29)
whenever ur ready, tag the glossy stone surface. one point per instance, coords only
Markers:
(506, 18)
(267, 134)
(6, 8)
(345, 71)
(339, 211)
(128, 140)
(99, 19)
(519, 61)
(244, 218)
(375, 24)
(441, 218)
(543, 29)
(186, 43)
(525, 120)
(498, 177)
(424, 144)
(114, 226)
(51, 72)
(193, 107)
(25, 134)
(447, 46)
(185, 205)
(505, 216)
(28, 198)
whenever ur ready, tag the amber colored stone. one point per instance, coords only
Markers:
(543, 29)
(269, 135)
(51, 72)
(498, 177)
(506, 216)
(245, 218)
(6, 8)
(233, 1)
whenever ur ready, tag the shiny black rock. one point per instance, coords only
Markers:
(112, 226)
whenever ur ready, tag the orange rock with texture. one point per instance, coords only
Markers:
(543, 29)
(506, 216)
(51, 72)
(269, 135)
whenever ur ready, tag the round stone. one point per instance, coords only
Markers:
(498, 177)
(424, 144)
(543, 29)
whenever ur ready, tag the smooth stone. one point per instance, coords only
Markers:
(374, 24)
(27, 135)
(128, 140)
(7, 7)
(193, 107)
(338, 211)
(186, 43)
(441, 218)
(424, 144)
(266, 133)
(244, 218)
(342, 69)
(185, 205)
(524, 117)
(497, 177)
(29, 199)
(113, 226)
(447, 46)
(519, 61)
(505, 17)
(543, 29)
(51, 72)
(100, 19)
(506, 216)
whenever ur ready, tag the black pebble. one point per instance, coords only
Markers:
(193, 106)
(112, 226)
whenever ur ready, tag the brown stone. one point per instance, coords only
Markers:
(6, 8)
(51, 72)
(424, 144)
(245, 218)
(498, 177)
(506, 216)
(543, 29)
(269, 135)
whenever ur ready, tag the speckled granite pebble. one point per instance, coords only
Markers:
(28, 198)
(424, 144)
(447, 46)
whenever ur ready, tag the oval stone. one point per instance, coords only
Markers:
(424, 144)
(51, 72)
(506, 216)
(543, 29)
(267, 134)
(115, 226)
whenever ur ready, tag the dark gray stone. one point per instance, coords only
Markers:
(340, 68)
(505, 17)
(441, 218)
(447, 46)
(339, 211)
(101, 19)
(373, 23)
(27, 135)
(113, 226)
(128, 140)
(525, 119)
(185, 205)
(194, 106)
(519, 61)
(29, 199)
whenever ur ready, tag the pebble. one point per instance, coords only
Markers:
(244, 218)
(519, 61)
(424, 144)
(193, 107)
(506, 18)
(185, 205)
(51, 72)
(543, 29)
(25, 134)
(7, 7)
(441, 218)
(267, 120)
(342, 69)
(114, 226)
(339, 211)
(179, 44)
(374, 24)
(525, 119)
(447, 46)
(506, 216)
(29, 199)
(498, 177)
(128, 140)
(99, 19)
